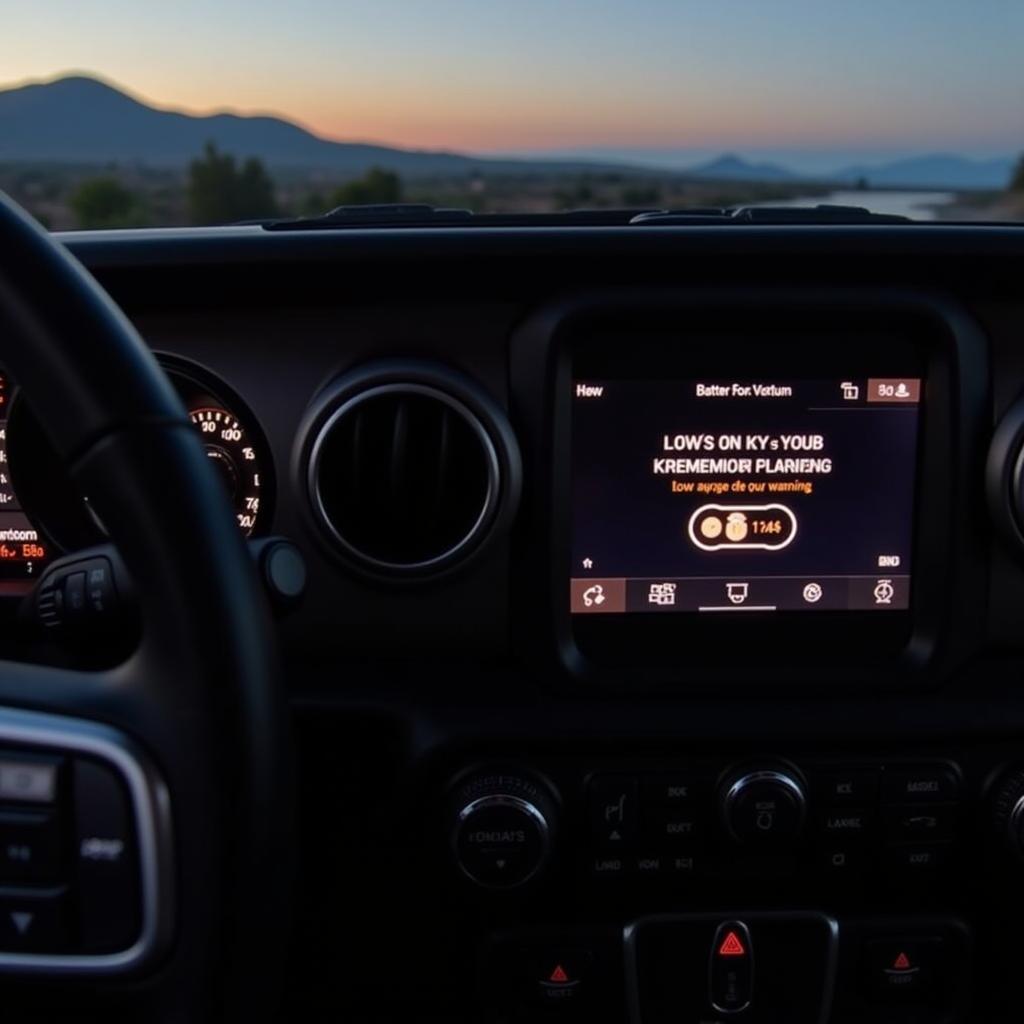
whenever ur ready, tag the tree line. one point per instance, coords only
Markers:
(221, 190)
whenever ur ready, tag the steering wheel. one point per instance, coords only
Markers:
(168, 775)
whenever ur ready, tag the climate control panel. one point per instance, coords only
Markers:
(846, 822)
(838, 821)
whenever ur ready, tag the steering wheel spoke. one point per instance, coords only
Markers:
(189, 730)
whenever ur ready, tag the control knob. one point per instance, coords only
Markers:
(1008, 812)
(503, 827)
(763, 805)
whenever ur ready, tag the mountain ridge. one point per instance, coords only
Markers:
(84, 120)
(81, 119)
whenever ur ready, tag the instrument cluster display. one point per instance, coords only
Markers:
(42, 512)
(23, 553)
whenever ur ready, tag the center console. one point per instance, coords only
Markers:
(756, 497)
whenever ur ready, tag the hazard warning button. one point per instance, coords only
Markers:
(903, 969)
(562, 975)
(731, 975)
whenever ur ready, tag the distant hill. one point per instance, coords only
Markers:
(82, 120)
(734, 168)
(940, 171)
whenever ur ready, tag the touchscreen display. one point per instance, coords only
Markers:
(726, 496)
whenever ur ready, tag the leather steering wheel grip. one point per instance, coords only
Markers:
(202, 693)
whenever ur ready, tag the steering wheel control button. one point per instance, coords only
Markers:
(32, 921)
(74, 597)
(502, 835)
(764, 806)
(614, 811)
(106, 867)
(29, 846)
(731, 974)
(28, 781)
(77, 593)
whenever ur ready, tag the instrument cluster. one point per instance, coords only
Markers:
(44, 515)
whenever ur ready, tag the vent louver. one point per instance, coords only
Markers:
(405, 478)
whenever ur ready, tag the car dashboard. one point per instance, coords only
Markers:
(659, 650)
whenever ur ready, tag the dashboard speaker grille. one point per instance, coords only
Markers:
(404, 477)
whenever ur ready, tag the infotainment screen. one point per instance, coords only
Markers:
(736, 496)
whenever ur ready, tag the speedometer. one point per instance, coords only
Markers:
(235, 457)
(227, 427)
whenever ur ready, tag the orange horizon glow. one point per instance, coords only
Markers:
(413, 123)
(922, 75)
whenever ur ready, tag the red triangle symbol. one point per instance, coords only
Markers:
(731, 946)
(901, 963)
(558, 975)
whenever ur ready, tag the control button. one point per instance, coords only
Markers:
(74, 596)
(914, 822)
(284, 573)
(562, 976)
(501, 840)
(681, 865)
(614, 810)
(32, 921)
(841, 862)
(590, 595)
(106, 864)
(648, 865)
(669, 790)
(29, 846)
(920, 784)
(764, 806)
(903, 970)
(853, 823)
(99, 586)
(30, 781)
(672, 826)
(854, 786)
(731, 981)
(608, 868)
(502, 829)
(919, 858)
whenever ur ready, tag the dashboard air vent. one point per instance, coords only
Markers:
(405, 478)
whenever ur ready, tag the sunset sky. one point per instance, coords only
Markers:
(761, 77)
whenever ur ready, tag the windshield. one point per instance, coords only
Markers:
(121, 113)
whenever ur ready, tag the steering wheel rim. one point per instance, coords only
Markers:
(201, 694)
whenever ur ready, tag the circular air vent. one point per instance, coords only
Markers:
(404, 477)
